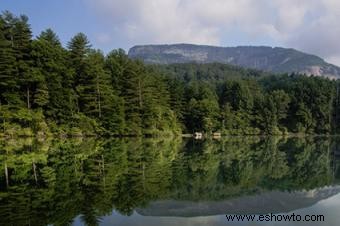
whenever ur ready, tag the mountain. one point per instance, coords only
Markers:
(277, 60)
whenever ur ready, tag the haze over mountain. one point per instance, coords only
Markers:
(277, 60)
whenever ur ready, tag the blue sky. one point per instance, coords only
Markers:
(307, 25)
(65, 17)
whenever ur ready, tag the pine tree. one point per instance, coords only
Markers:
(51, 59)
(109, 107)
(8, 79)
(79, 47)
(22, 46)
(117, 63)
(131, 91)
(50, 37)
(90, 84)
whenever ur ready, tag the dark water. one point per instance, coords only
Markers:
(168, 182)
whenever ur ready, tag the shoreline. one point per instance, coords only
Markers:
(184, 135)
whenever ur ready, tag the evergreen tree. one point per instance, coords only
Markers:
(79, 47)
(50, 37)
(131, 91)
(22, 46)
(96, 95)
(8, 79)
(51, 59)
(117, 63)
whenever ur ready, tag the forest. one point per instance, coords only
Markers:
(47, 89)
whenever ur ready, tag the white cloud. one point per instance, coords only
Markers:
(308, 25)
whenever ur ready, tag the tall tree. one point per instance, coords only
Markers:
(51, 59)
(49, 36)
(97, 97)
(79, 47)
(8, 79)
(21, 35)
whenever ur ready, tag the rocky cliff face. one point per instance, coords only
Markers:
(278, 60)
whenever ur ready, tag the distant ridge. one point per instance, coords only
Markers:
(277, 60)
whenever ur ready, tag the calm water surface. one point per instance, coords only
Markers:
(168, 182)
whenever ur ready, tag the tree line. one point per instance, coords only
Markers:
(47, 89)
(217, 97)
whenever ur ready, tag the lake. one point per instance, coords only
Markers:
(169, 181)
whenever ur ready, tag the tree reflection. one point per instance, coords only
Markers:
(52, 182)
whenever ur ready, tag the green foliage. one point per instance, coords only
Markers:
(8, 80)
(81, 90)
(253, 103)
(55, 181)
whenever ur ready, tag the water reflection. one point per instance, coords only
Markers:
(65, 182)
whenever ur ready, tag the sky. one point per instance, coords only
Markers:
(311, 26)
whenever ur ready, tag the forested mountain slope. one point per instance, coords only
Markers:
(278, 60)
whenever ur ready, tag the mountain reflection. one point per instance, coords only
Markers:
(53, 182)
